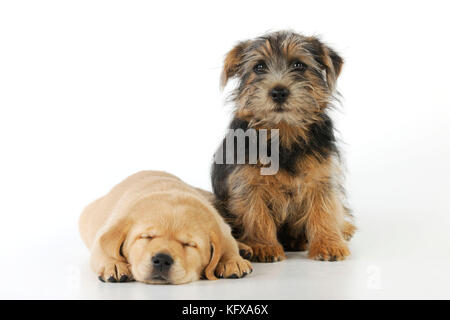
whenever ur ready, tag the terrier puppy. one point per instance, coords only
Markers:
(286, 81)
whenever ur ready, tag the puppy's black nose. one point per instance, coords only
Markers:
(279, 94)
(162, 262)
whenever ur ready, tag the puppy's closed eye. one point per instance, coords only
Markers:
(189, 244)
(146, 236)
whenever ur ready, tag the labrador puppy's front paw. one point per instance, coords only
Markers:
(233, 268)
(115, 271)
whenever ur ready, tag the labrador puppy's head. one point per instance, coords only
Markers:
(171, 239)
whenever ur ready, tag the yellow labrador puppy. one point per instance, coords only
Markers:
(154, 228)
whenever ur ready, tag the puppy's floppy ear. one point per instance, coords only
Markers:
(112, 239)
(328, 59)
(216, 254)
(232, 62)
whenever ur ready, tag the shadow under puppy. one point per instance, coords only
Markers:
(286, 81)
(154, 228)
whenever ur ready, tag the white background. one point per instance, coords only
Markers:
(93, 91)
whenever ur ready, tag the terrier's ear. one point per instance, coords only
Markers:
(328, 59)
(232, 62)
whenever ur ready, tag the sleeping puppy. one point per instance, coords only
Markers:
(154, 228)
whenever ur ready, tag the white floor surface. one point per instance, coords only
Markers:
(385, 263)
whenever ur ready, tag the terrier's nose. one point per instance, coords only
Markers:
(279, 94)
(162, 262)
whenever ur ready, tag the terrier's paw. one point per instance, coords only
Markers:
(328, 252)
(245, 251)
(115, 271)
(267, 253)
(233, 268)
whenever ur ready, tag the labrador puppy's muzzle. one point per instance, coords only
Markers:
(161, 263)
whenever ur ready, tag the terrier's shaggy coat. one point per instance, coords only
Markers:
(286, 81)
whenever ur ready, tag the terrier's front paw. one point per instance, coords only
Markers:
(115, 271)
(234, 268)
(245, 251)
(328, 252)
(267, 253)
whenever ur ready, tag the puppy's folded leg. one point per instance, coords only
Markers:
(107, 260)
(232, 265)
(225, 261)
(109, 269)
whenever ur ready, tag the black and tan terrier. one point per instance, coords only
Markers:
(286, 81)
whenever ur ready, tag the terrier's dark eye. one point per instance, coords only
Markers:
(260, 68)
(299, 66)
